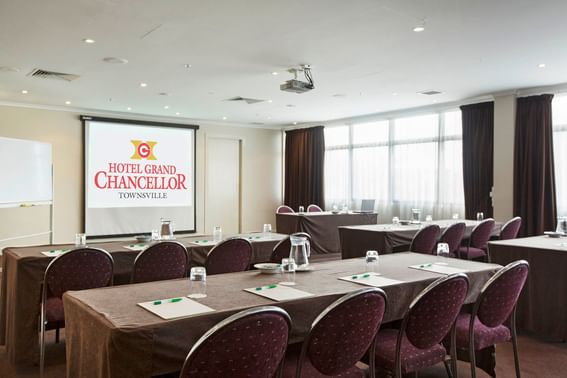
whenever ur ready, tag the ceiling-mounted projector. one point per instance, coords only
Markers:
(298, 86)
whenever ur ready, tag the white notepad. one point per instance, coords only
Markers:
(278, 292)
(136, 247)
(54, 252)
(168, 309)
(441, 269)
(370, 279)
(204, 242)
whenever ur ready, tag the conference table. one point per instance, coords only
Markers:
(322, 227)
(24, 267)
(542, 306)
(388, 238)
(108, 334)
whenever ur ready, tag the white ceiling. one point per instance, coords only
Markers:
(363, 51)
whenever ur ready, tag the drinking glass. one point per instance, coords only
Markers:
(415, 215)
(335, 208)
(166, 229)
(456, 216)
(442, 253)
(372, 259)
(288, 271)
(301, 209)
(561, 225)
(429, 218)
(217, 233)
(395, 220)
(80, 240)
(345, 208)
(198, 282)
(155, 235)
(267, 228)
(479, 216)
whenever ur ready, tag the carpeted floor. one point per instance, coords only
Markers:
(538, 359)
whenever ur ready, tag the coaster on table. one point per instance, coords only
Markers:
(435, 268)
(136, 247)
(278, 292)
(370, 279)
(54, 252)
(172, 308)
(204, 242)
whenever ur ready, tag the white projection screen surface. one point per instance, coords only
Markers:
(137, 173)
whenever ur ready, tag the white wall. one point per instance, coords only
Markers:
(261, 173)
(504, 126)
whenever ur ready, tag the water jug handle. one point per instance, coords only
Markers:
(308, 245)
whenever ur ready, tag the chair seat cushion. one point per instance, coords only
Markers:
(483, 336)
(471, 252)
(308, 370)
(412, 358)
(54, 310)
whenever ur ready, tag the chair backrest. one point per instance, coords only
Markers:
(480, 234)
(344, 331)
(432, 313)
(500, 294)
(453, 235)
(283, 209)
(166, 260)
(282, 249)
(425, 239)
(314, 209)
(78, 269)
(251, 343)
(511, 229)
(230, 255)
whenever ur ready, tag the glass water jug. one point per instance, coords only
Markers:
(300, 251)
(166, 230)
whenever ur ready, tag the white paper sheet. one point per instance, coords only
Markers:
(278, 292)
(136, 247)
(204, 242)
(54, 252)
(171, 310)
(436, 268)
(370, 279)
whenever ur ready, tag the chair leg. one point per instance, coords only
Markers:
(42, 347)
(57, 334)
(472, 356)
(515, 344)
(448, 369)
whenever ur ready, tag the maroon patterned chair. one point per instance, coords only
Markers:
(453, 235)
(251, 343)
(78, 269)
(314, 209)
(484, 326)
(429, 318)
(511, 229)
(166, 260)
(339, 337)
(476, 247)
(283, 209)
(230, 255)
(425, 239)
(282, 249)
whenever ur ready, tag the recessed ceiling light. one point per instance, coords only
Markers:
(24, 91)
(143, 85)
(187, 66)
(541, 65)
(114, 60)
(89, 40)
(275, 73)
(295, 123)
(129, 108)
(270, 101)
(163, 94)
(67, 102)
(224, 118)
(418, 29)
(177, 113)
(166, 107)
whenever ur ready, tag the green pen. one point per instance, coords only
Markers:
(173, 300)
(425, 265)
(273, 286)
(157, 302)
(363, 276)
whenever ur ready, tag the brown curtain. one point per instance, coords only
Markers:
(304, 167)
(534, 173)
(478, 158)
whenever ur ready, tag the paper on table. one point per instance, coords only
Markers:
(55, 252)
(136, 247)
(171, 310)
(370, 279)
(435, 268)
(204, 242)
(278, 292)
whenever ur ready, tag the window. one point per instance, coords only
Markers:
(402, 163)
(559, 110)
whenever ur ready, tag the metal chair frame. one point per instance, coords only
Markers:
(507, 224)
(316, 208)
(153, 246)
(285, 207)
(226, 240)
(470, 238)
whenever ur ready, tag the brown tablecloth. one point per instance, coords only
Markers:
(388, 238)
(108, 335)
(322, 227)
(23, 269)
(542, 307)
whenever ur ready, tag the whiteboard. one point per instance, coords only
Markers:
(25, 171)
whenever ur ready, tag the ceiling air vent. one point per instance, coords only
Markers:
(43, 74)
(430, 93)
(249, 101)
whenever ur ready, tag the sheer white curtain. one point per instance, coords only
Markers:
(559, 109)
(406, 163)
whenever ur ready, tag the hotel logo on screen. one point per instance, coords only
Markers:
(143, 150)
